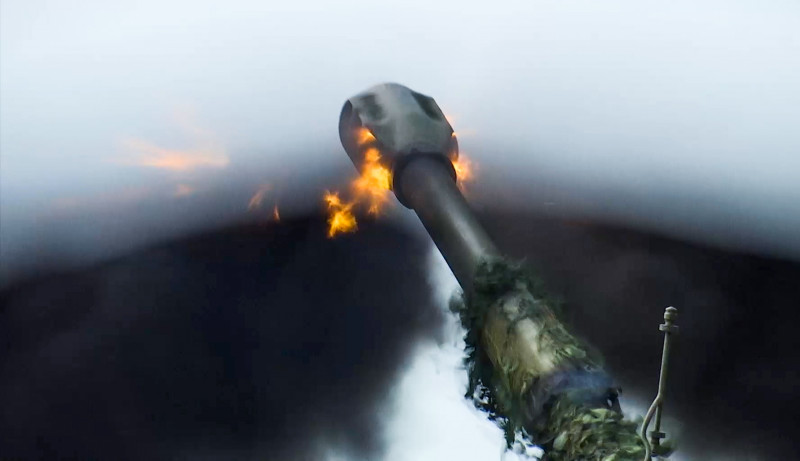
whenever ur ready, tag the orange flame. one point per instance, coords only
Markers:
(341, 219)
(204, 150)
(153, 156)
(371, 188)
(275, 214)
(258, 198)
(374, 182)
(365, 136)
(465, 170)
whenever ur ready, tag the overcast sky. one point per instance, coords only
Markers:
(681, 115)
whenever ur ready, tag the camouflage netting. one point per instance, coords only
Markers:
(517, 352)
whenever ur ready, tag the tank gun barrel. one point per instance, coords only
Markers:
(418, 146)
(541, 380)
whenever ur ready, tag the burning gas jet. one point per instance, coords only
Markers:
(340, 219)
(526, 369)
(371, 188)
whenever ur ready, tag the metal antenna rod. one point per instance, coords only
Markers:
(669, 328)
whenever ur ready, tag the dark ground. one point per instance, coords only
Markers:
(251, 341)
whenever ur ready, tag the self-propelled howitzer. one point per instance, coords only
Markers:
(526, 369)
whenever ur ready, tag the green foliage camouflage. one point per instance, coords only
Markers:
(578, 433)
(571, 431)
